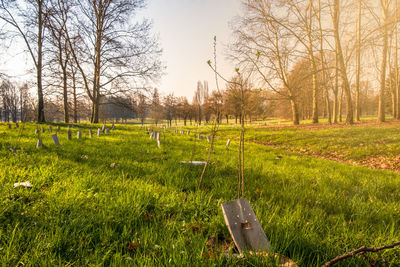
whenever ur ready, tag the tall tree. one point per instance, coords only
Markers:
(308, 21)
(385, 4)
(112, 48)
(57, 26)
(270, 39)
(156, 107)
(396, 62)
(324, 78)
(142, 107)
(28, 21)
(358, 62)
(341, 62)
(169, 108)
(200, 95)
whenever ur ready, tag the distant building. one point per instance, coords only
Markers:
(116, 109)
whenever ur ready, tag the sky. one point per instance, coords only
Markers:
(186, 29)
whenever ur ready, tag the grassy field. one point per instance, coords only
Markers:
(120, 200)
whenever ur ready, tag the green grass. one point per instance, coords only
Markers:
(148, 211)
(348, 143)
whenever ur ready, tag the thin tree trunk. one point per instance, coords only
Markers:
(41, 117)
(313, 67)
(358, 63)
(396, 66)
(342, 67)
(341, 104)
(75, 96)
(381, 104)
(65, 96)
(391, 82)
(335, 93)
(295, 112)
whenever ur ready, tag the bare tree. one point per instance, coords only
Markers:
(385, 5)
(358, 62)
(112, 48)
(142, 107)
(323, 66)
(341, 62)
(156, 107)
(184, 109)
(57, 39)
(200, 95)
(28, 21)
(267, 45)
(169, 108)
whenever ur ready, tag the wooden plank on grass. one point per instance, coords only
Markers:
(244, 226)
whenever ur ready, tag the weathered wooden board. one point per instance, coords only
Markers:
(79, 135)
(90, 133)
(244, 226)
(209, 138)
(98, 132)
(107, 130)
(69, 133)
(55, 139)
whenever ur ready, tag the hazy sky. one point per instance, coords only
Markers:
(186, 29)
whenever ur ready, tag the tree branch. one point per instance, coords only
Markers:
(358, 251)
